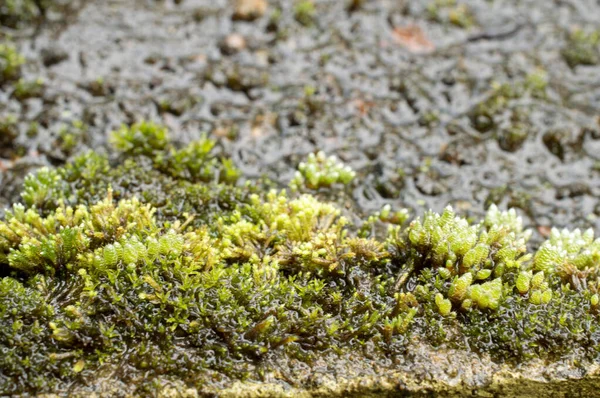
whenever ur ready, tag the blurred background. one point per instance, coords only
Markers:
(431, 102)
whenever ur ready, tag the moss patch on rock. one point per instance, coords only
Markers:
(157, 267)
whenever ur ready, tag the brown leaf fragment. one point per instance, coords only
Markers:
(413, 39)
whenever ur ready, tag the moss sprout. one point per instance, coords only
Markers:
(143, 138)
(320, 171)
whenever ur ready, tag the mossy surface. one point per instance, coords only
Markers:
(159, 265)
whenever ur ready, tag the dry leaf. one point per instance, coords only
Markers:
(544, 230)
(413, 39)
(362, 106)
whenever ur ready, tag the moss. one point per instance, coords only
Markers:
(70, 136)
(9, 130)
(10, 63)
(14, 12)
(502, 113)
(461, 16)
(21, 13)
(320, 171)
(28, 356)
(449, 11)
(160, 265)
(143, 138)
(304, 12)
(582, 48)
(26, 89)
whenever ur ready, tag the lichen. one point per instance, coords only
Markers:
(160, 263)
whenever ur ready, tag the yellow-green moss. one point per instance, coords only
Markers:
(163, 264)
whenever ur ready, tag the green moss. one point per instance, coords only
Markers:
(461, 16)
(9, 130)
(582, 48)
(160, 264)
(10, 63)
(320, 171)
(70, 136)
(304, 12)
(449, 11)
(504, 101)
(20, 13)
(26, 89)
(143, 138)
(14, 12)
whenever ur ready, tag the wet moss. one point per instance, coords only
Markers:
(320, 171)
(159, 263)
(10, 63)
(304, 12)
(17, 14)
(13, 13)
(452, 12)
(26, 89)
(582, 48)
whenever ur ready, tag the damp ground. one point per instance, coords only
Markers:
(436, 102)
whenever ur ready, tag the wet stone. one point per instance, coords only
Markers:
(53, 55)
(233, 43)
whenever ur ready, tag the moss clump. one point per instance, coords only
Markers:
(192, 179)
(143, 138)
(582, 48)
(451, 12)
(14, 12)
(9, 130)
(10, 63)
(160, 265)
(320, 171)
(461, 16)
(20, 13)
(503, 115)
(304, 12)
(26, 89)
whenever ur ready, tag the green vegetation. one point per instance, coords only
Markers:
(461, 16)
(25, 89)
(582, 48)
(15, 12)
(503, 112)
(304, 12)
(162, 263)
(9, 130)
(10, 63)
(450, 11)
(321, 171)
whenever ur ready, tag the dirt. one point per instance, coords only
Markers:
(388, 86)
